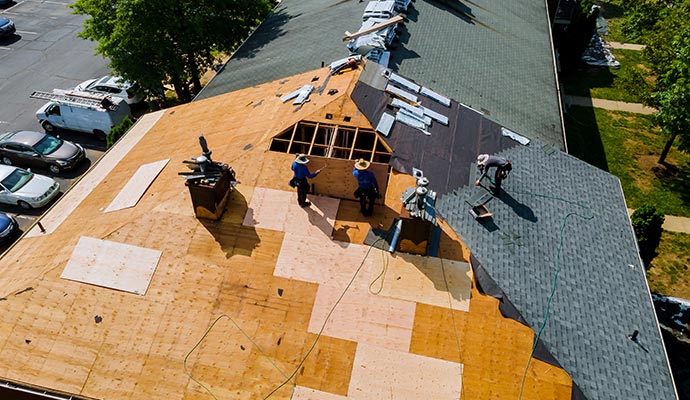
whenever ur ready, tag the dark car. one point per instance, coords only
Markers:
(28, 149)
(8, 227)
(6, 27)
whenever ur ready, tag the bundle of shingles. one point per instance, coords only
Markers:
(409, 108)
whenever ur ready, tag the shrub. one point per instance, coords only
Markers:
(647, 222)
(117, 131)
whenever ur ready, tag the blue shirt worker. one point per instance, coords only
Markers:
(368, 189)
(301, 177)
(502, 165)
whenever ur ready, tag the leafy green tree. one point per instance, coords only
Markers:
(647, 223)
(163, 42)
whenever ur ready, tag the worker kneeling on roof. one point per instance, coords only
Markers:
(502, 165)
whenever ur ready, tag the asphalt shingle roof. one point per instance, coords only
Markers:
(601, 293)
(499, 60)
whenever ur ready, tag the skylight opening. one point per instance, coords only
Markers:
(332, 141)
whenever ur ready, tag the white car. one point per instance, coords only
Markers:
(26, 189)
(113, 86)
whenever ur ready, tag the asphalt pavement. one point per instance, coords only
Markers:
(44, 54)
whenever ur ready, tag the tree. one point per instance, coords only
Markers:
(162, 42)
(665, 28)
(647, 223)
(674, 102)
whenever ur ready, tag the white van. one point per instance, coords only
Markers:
(78, 111)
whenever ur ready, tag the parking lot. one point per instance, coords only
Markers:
(44, 54)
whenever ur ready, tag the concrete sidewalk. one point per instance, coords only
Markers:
(609, 105)
(626, 46)
(673, 223)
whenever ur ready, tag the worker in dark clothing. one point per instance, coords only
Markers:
(502, 165)
(368, 188)
(301, 177)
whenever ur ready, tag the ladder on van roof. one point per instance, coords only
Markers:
(85, 99)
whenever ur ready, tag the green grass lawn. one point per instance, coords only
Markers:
(628, 146)
(601, 82)
(669, 273)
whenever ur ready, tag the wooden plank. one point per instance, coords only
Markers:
(292, 138)
(383, 24)
(136, 186)
(353, 144)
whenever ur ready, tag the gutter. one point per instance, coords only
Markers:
(559, 94)
(649, 295)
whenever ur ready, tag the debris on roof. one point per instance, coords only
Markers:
(347, 62)
(300, 95)
(515, 136)
(373, 25)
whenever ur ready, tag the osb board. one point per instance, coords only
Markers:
(136, 186)
(326, 262)
(278, 210)
(362, 317)
(341, 108)
(112, 265)
(494, 351)
(384, 374)
(429, 280)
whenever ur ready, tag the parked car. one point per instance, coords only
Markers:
(26, 189)
(114, 86)
(8, 227)
(6, 27)
(30, 149)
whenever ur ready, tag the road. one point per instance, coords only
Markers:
(44, 54)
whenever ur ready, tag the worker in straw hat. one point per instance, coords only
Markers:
(368, 189)
(503, 167)
(301, 177)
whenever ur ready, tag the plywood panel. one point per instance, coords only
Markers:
(336, 178)
(493, 350)
(136, 186)
(384, 374)
(324, 262)
(421, 279)
(362, 317)
(278, 210)
(304, 393)
(113, 265)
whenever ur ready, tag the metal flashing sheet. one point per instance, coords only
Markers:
(131, 193)
(111, 264)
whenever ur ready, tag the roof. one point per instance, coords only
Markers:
(493, 56)
(561, 222)
(235, 306)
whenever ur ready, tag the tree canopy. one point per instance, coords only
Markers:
(162, 42)
(664, 26)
